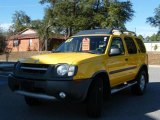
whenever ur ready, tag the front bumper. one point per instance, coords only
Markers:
(50, 89)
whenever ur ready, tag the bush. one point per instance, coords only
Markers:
(155, 47)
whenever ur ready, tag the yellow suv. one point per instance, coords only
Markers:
(89, 66)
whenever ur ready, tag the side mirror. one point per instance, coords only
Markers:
(115, 51)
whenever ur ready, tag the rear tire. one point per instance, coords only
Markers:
(140, 87)
(95, 98)
(31, 101)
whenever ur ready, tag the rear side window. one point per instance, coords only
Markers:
(141, 45)
(132, 49)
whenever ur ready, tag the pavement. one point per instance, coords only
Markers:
(121, 106)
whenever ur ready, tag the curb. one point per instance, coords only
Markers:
(155, 66)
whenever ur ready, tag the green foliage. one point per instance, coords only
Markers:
(36, 24)
(74, 15)
(140, 37)
(155, 20)
(70, 16)
(2, 41)
(155, 47)
(154, 37)
(20, 21)
(118, 14)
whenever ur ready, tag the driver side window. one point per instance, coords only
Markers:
(117, 43)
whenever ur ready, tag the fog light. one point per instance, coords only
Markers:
(62, 95)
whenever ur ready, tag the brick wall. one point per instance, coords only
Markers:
(24, 45)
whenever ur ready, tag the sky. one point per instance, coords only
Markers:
(142, 8)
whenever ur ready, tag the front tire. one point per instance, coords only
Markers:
(140, 87)
(95, 98)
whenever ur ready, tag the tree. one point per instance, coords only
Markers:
(118, 14)
(72, 16)
(36, 24)
(154, 37)
(155, 20)
(20, 21)
(43, 32)
(140, 37)
(2, 40)
(155, 47)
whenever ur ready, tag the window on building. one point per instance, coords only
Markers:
(30, 42)
(15, 43)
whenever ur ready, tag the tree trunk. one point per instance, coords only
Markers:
(46, 44)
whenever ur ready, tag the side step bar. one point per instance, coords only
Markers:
(114, 90)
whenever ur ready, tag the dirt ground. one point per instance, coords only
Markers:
(153, 57)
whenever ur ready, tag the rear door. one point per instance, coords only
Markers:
(132, 57)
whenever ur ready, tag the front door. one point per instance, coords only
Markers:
(117, 64)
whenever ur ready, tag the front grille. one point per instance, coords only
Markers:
(34, 68)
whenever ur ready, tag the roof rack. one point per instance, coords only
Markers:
(129, 33)
(121, 31)
(95, 31)
(115, 31)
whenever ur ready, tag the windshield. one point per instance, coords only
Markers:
(90, 44)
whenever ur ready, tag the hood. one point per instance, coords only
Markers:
(55, 58)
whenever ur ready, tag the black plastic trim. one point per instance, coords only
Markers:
(122, 70)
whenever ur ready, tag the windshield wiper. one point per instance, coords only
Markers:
(92, 52)
(55, 51)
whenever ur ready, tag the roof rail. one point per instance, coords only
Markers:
(129, 33)
(95, 31)
(121, 31)
(115, 31)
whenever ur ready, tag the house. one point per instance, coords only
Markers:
(28, 40)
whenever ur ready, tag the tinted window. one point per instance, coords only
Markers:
(117, 43)
(141, 45)
(130, 45)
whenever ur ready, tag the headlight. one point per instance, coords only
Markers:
(65, 69)
(62, 70)
(71, 70)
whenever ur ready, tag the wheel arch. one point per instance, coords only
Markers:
(106, 82)
(144, 67)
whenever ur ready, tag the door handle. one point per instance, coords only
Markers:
(126, 59)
